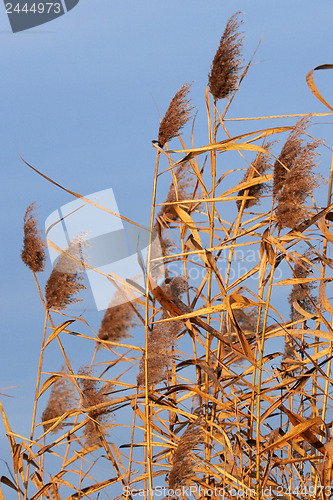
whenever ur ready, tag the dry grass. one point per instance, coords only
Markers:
(229, 394)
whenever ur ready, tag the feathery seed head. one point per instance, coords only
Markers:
(183, 464)
(224, 73)
(302, 292)
(294, 179)
(163, 336)
(62, 399)
(289, 153)
(257, 169)
(118, 320)
(33, 253)
(65, 279)
(93, 397)
(183, 180)
(178, 113)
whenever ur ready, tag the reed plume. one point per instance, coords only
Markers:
(33, 253)
(93, 397)
(290, 152)
(178, 113)
(62, 399)
(118, 320)
(163, 336)
(178, 191)
(259, 168)
(224, 73)
(183, 467)
(301, 293)
(65, 279)
(294, 179)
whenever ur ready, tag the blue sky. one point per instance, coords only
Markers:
(81, 98)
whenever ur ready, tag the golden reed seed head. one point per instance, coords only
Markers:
(178, 113)
(259, 167)
(184, 180)
(62, 399)
(94, 395)
(302, 292)
(299, 184)
(183, 463)
(33, 253)
(290, 151)
(224, 73)
(118, 320)
(163, 336)
(160, 341)
(294, 179)
(65, 279)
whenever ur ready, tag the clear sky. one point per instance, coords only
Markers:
(81, 98)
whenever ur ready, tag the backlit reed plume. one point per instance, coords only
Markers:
(33, 253)
(224, 73)
(178, 113)
(178, 191)
(65, 279)
(94, 396)
(291, 150)
(118, 319)
(301, 295)
(183, 468)
(294, 179)
(259, 168)
(163, 336)
(62, 399)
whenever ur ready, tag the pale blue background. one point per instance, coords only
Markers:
(80, 100)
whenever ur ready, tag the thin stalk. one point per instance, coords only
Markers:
(260, 367)
(147, 402)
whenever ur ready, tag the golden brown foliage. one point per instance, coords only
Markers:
(33, 253)
(178, 113)
(224, 73)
